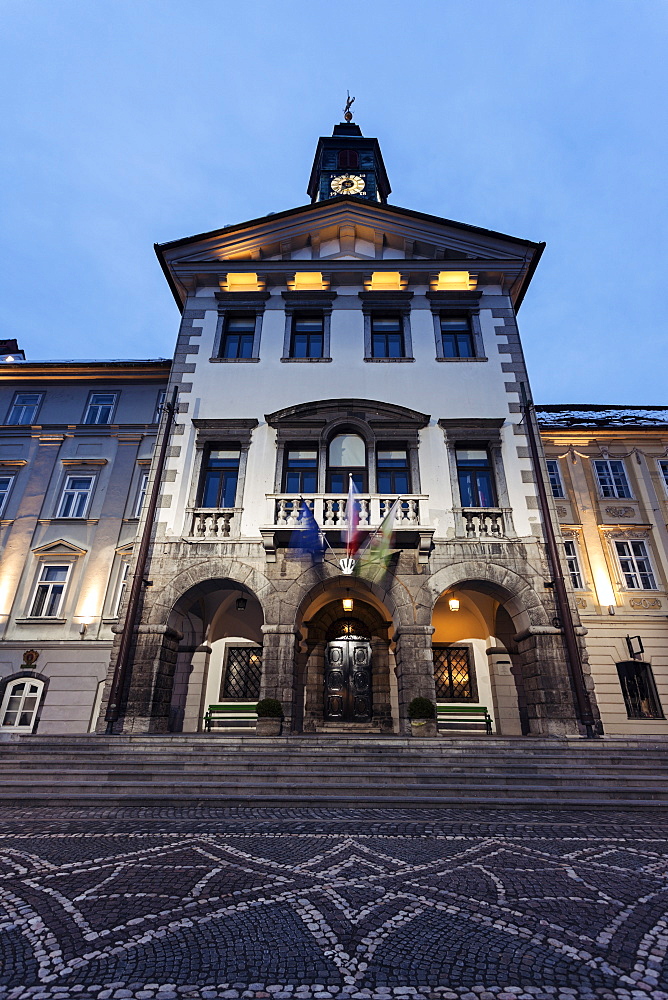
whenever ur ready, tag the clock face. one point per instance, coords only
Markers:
(347, 184)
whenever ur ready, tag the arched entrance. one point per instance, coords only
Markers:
(344, 665)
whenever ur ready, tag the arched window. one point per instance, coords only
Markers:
(346, 457)
(20, 704)
(348, 159)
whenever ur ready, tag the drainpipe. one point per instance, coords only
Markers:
(573, 658)
(123, 661)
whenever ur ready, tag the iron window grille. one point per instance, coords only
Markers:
(612, 481)
(639, 690)
(387, 337)
(308, 337)
(476, 479)
(453, 675)
(554, 476)
(457, 337)
(6, 483)
(100, 408)
(220, 477)
(573, 564)
(243, 672)
(20, 704)
(24, 408)
(635, 565)
(76, 496)
(238, 337)
(50, 590)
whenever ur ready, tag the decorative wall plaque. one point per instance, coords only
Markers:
(580, 602)
(620, 511)
(645, 602)
(628, 533)
(561, 511)
(30, 657)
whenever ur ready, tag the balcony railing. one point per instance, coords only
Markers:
(482, 522)
(329, 509)
(212, 524)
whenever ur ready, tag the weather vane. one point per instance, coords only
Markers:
(347, 113)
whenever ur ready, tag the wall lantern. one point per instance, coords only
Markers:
(241, 603)
(347, 603)
(453, 603)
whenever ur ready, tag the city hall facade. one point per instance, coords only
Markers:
(344, 339)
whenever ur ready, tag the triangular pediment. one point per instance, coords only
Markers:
(59, 547)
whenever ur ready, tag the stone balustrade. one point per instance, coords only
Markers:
(329, 509)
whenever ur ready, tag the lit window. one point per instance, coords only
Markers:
(452, 674)
(20, 704)
(100, 408)
(24, 408)
(122, 585)
(307, 337)
(476, 481)
(159, 405)
(612, 481)
(639, 690)
(141, 494)
(76, 496)
(456, 337)
(221, 475)
(392, 473)
(554, 475)
(49, 593)
(458, 280)
(387, 337)
(663, 468)
(386, 281)
(242, 282)
(238, 337)
(243, 672)
(573, 564)
(635, 565)
(347, 457)
(308, 280)
(6, 483)
(301, 470)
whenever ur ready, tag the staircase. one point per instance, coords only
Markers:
(333, 770)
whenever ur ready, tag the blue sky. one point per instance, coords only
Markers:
(138, 121)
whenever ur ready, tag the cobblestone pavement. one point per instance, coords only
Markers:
(301, 904)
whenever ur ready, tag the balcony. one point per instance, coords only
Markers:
(482, 522)
(208, 524)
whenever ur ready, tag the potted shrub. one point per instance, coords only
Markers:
(422, 713)
(269, 717)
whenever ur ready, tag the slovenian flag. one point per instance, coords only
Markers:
(351, 530)
(375, 556)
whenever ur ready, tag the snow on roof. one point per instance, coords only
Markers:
(601, 416)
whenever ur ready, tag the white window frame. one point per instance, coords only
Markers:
(663, 471)
(573, 563)
(162, 395)
(615, 488)
(92, 405)
(141, 494)
(15, 403)
(49, 585)
(120, 588)
(631, 558)
(554, 478)
(39, 684)
(5, 491)
(70, 491)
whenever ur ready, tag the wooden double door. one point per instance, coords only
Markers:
(348, 680)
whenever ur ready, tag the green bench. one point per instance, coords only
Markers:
(231, 715)
(463, 718)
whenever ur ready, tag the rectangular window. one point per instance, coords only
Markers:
(663, 468)
(243, 672)
(612, 481)
(50, 590)
(141, 494)
(238, 337)
(301, 470)
(100, 408)
(392, 472)
(476, 482)
(122, 584)
(387, 337)
(6, 483)
(76, 496)
(308, 337)
(635, 565)
(554, 475)
(221, 475)
(639, 690)
(24, 408)
(456, 337)
(573, 564)
(452, 674)
(159, 405)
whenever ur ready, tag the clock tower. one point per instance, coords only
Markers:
(347, 163)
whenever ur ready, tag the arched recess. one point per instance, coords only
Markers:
(161, 600)
(322, 617)
(219, 620)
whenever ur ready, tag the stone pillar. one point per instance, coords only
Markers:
(314, 682)
(278, 667)
(505, 710)
(194, 702)
(550, 703)
(380, 673)
(415, 668)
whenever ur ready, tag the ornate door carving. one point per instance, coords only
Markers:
(348, 680)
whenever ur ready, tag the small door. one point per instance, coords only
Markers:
(348, 680)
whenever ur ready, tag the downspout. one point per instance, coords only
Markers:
(123, 662)
(573, 658)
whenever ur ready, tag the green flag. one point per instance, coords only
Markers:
(375, 557)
